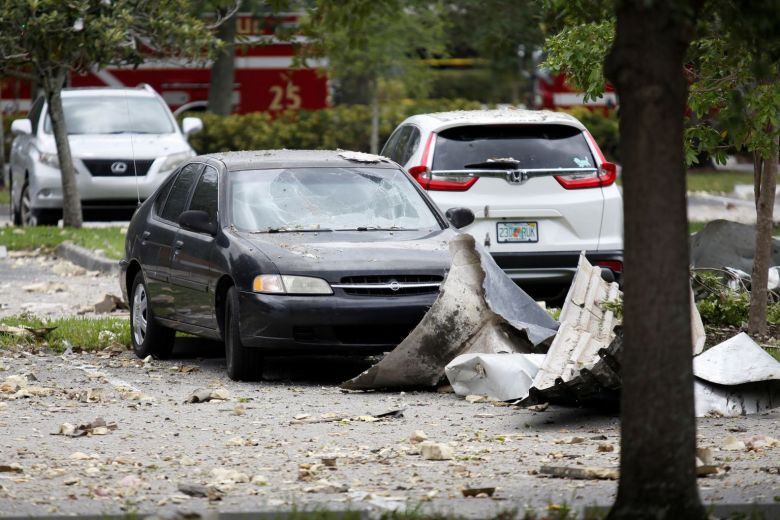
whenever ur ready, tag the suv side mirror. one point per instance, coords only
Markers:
(459, 217)
(21, 127)
(191, 125)
(199, 221)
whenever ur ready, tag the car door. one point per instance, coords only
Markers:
(162, 236)
(191, 269)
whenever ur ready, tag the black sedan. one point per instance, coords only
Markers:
(284, 251)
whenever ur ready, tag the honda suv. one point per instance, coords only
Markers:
(537, 182)
(124, 143)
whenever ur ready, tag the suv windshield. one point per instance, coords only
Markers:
(308, 199)
(529, 146)
(114, 115)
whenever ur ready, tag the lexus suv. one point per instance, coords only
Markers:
(124, 142)
(537, 182)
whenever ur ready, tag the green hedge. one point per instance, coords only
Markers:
(349, 126)
(344, 126)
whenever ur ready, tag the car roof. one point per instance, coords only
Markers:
(501, 116)
(274, 159)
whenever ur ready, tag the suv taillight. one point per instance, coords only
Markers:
(429, 181)
(604, 177)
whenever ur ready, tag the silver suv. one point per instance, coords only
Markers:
(124, 142)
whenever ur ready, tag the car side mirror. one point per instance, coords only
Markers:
(191, 125)
(459, 217)
(21, 127)
(199, 221)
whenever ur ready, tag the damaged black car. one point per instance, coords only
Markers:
(282, 252)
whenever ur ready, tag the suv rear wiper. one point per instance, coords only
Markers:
(496, 164)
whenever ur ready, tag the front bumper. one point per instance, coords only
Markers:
(329, 324)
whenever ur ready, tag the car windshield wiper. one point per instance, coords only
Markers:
(290, 230)
(379, 228)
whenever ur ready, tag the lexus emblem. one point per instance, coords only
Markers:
(118, 167)
(394, 286)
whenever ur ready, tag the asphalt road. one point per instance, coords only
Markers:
(265, 446)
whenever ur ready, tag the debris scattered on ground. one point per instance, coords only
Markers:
(26, 332)
(580, 473)
(45, 287)
(436, 451)
(68, 269)
(110, 303)
(417, 437)
(734, 378)
(203, 395)
(196, 490)
(97, 427)
(499, 376)
(493, 315)
(481, 492)
(731, 443)
(334, 417)
(11, 468)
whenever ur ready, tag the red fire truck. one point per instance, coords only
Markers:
(552, 91)
(265, 79)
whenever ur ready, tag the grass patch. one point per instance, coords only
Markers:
(83, 333)
(716, 181)
(110, 240)
(5, 196)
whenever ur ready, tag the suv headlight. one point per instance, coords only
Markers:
(287, 284)
(49, 159)
(175, 159)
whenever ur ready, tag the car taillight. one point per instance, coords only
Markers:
(430, 181)
(606, 175)
(615, 265)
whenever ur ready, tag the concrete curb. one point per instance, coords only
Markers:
(86, 258)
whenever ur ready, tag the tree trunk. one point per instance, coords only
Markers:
(658, 427)
(2, 150)
(375, 117)
(71, 202)
(766, 183)
(223, 70)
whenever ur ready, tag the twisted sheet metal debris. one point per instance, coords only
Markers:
(583, 363)
(479, 309)
(499, 376)
(736, 377)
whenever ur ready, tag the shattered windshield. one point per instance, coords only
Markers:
(526, 146)
(310, 199)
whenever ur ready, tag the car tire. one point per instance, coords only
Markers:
(148, 337)
(16, 214)
(26, 217)
(243, 363)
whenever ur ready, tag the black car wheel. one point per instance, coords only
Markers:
(148, 336)
(243, 364)
(26, 217)
(16, 214)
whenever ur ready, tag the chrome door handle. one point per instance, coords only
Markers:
(178, 244)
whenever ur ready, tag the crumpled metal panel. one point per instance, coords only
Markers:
(479, 309)
(499, 376)
(586, 327)
(736, 400)
(736, 361)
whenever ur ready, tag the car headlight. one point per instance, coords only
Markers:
(287, 284)
(175, 159)
(49, 159)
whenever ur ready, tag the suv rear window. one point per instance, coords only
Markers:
(532, 146)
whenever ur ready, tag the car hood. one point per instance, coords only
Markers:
(120, 146)
(334, 254)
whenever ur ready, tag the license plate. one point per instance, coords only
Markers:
(517, 231)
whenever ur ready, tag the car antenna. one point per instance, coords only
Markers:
(132, 148)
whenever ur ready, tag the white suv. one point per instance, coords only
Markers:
(536, 181)
(124, 143)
